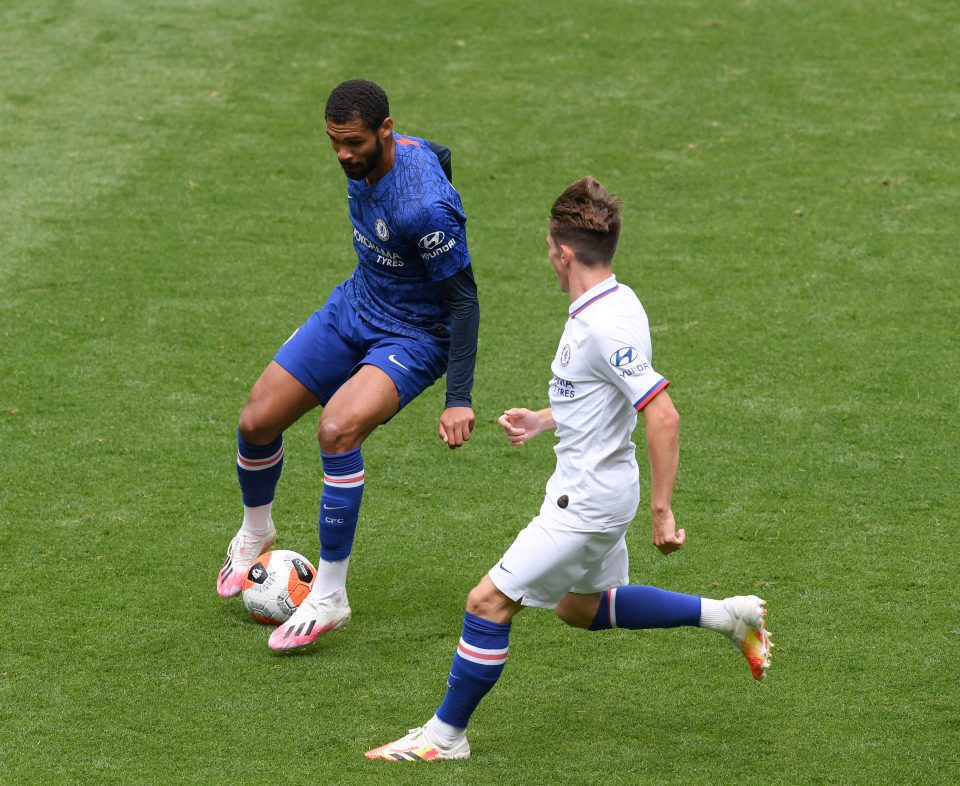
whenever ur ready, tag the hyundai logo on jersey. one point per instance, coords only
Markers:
(434, 239)
(623, 357)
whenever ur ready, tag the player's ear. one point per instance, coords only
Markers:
(386, 128)
(567, 253)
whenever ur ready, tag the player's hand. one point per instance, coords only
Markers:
(456, 424)
(520, 425)
(666, 537)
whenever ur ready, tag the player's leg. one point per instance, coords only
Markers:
(478, 661)
(394, 370)
(537, 570)
(305, 372)
(276, 401)
(368, 399)
(477, 665)
(741, 618)
(636, 607)
(362, 403)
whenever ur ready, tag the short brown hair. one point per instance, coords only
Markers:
(586, 217)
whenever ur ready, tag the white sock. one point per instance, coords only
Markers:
(331, 576)
(258, 520)
(714, 615)
(443, 734)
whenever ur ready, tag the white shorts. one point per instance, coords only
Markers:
(549, 559)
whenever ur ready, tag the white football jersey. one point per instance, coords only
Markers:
(602, 376)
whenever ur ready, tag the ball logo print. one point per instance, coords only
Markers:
(303, 570)
(276, 585)
(431, 241)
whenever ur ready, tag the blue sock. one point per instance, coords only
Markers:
(340, 503)
(638, 606)
(258, 470)
(477, 665)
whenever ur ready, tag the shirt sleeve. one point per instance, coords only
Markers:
(623, 357)
(441, 240)
(460, 294)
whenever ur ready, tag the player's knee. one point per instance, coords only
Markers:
(337, 435)
(488, 602)
(253, 429)
(478, 601)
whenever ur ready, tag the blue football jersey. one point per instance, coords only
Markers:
(409, 231)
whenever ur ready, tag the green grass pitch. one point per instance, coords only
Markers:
(170, 211)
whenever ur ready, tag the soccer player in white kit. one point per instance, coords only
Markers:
(573, 556)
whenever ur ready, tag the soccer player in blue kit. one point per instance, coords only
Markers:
(572, 557)
(407, 314)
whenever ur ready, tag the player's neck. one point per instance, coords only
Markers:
(386, 161)
(583, 278)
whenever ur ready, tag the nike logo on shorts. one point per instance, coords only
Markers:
(334, 507)
(393, 359)
(503, 568)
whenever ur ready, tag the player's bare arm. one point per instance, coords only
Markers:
(521, 425)
(663, 448)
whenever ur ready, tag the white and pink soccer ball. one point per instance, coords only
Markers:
(275, 584)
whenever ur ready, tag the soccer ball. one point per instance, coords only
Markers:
(276, 583)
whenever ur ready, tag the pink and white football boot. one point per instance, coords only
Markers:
(417, 746)
(318, 614)
(242, 551)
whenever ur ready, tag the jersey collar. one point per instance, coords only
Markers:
(593, 294)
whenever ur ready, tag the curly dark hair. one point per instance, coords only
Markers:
(358, 99)
(587, 217)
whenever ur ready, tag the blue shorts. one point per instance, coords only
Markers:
(335, 341)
